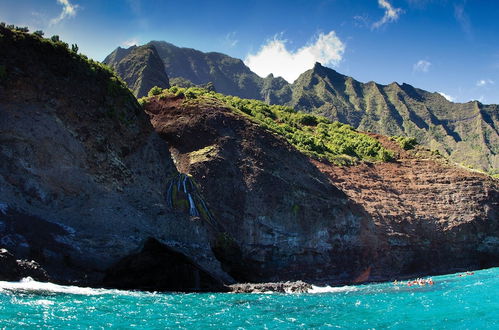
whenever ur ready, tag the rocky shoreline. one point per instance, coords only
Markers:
(279, 287)
(14, 270)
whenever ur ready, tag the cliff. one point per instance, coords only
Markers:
(140, 67)
(287, 216)
(82, 172)
(281, 218)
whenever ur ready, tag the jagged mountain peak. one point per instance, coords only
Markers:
(140, 67)
(325, 71)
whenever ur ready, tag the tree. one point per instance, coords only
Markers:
(74, 48)
(55, 38)
(39, 33)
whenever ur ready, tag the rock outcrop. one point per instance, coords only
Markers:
(282, 218)
(140, 67)
(287, 217)
(83, 175)
(14, 270)
(96, 195)
(431, 216)
(280, 287)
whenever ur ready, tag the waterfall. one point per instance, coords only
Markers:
(192, 207)
(179, 181)
(185, 186)
(185, 189)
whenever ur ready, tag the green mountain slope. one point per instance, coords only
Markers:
(140, 67)
(467, 133)
(228, 75)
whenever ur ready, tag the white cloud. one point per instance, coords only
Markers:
(484, 82)
(463, 19)
(391, 14)
(422, 66)
(130, 42)
(275, 58)
(230, 39)
(447, 96)
(361, 21)
(68, 10)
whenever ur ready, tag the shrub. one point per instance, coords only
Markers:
(406, 143)
(155, 91)
(309, 120)
(189, 94)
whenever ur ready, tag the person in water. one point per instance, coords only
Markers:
(421, 282)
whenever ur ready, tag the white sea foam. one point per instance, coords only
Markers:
(330, 289)
(28, 285)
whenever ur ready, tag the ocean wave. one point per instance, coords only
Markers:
(29, 285)
(331, 289)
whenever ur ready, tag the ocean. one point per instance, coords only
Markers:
(455, 301)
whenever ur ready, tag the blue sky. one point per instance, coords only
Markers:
(449, 46)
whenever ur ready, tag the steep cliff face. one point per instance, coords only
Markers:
(140, 67)
(430, 216)
(281, 218)
(229, 75)
(82, 173)
(286, 216)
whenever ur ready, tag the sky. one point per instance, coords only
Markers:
(445, 46)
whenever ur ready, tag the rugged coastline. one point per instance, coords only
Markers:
(187, 192)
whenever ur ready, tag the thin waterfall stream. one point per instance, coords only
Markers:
(183, 195)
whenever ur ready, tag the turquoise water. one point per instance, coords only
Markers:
(453, 302)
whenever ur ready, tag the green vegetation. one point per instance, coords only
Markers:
(406, 143)
(18, 44)
(155, 91)
(313, 135)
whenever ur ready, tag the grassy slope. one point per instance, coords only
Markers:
(313, 135)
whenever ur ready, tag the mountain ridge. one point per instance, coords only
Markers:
(466, 132)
